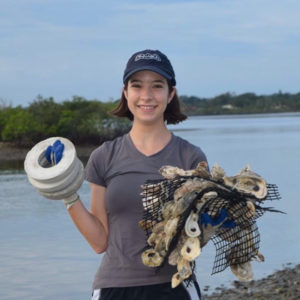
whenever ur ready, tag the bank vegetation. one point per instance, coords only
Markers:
(90, 122)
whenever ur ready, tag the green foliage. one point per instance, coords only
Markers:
(241, 104)
(19, 127)
(80, 120)
(89, 122)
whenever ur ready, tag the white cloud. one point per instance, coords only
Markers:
(74, 47)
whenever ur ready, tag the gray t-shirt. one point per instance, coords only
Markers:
(122, 169)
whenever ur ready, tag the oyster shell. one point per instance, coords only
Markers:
(251, 209)
(248, 182)
(170, 230)
(184, 268)
(191, 225)
(170, 172)
(174, 257)
(202, 170)
(243, 271)
(191, 249)
(176, 280)
(217, 173)
(151, 258)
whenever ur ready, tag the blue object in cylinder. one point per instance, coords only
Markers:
(54, 153)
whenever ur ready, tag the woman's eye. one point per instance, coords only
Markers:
(158, 86)
(135, 86)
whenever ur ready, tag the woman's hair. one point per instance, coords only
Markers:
(172, 114)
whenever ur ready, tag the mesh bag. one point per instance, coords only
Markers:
(234, 245)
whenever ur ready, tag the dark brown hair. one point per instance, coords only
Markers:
(172, 114)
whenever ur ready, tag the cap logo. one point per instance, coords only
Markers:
(147, 56)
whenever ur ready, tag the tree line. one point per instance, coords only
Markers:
(89, 121)
(248, 103)
(80, 120)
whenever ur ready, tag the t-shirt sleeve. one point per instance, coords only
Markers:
(96, 166)
(197, 156)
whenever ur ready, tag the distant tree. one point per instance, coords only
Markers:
(20, 126)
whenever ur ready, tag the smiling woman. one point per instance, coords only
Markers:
(117, 169)
(147, 96)
(172, 113)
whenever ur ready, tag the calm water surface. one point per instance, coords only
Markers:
(42, 256)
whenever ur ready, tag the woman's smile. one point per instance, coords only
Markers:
(147, 108)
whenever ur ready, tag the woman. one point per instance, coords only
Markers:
(117, 169)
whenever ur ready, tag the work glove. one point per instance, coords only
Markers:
(54, 153)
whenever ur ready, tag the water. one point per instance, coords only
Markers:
(42, 255)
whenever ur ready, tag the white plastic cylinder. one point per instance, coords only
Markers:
(58, 181)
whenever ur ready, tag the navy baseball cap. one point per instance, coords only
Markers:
(152, 60)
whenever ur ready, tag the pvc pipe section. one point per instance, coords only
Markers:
(58, 181)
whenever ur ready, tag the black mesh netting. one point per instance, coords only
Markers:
(234, 244)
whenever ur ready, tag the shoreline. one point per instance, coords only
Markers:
(12, 152)
(280, 285)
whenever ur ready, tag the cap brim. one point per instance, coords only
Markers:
(149, 68)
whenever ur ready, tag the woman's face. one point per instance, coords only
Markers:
(147, 96)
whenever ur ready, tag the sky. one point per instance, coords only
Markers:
(66, 48)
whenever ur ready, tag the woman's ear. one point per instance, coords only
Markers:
(125, 92)
(172, 94)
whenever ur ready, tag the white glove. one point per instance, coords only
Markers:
(69, 201)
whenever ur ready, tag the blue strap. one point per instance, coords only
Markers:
(54, 153)
(207, 219)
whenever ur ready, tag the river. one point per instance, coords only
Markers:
(42, 256)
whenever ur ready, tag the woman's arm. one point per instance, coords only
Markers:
(92, 224)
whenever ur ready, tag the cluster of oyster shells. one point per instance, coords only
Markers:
(188, 247)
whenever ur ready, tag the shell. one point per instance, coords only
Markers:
(217, 173)
(160, 245)
(183, 203)
(202, 170)
(248, 184)
(251, 209)
(146, 224)
(191, 249)
(242, 271)
(180, 207)
(184, 268)
(152, 239)
(159, 227)
(259, 257)
(170, 230)
(151, 258)
(209, 195)
(186, 188)
(168, 210)
(206, 197)
(191, 225)
(170, 172)
(174, 257)
(176, 280)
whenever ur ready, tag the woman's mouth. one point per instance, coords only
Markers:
(147, 108)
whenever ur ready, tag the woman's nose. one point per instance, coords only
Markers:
(146, 93)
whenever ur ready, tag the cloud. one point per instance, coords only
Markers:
(62, 48)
